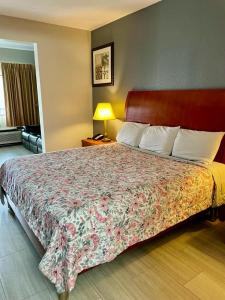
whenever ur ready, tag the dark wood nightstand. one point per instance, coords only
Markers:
(90, 142)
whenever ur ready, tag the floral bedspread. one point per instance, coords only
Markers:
(87, 205)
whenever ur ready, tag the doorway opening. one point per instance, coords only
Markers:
(20, 112)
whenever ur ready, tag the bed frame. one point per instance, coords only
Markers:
(191, 109)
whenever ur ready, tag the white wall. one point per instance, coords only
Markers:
(65, 96)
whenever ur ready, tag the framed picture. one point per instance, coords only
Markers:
(103, 65)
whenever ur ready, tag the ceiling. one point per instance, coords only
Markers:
(84, 14)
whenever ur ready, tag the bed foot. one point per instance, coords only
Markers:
(217, 213)
(63, 296)
(10, 210)
(221, 213)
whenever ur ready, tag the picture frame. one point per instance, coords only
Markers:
(103, 65)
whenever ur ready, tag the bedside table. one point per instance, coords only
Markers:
(90, 142)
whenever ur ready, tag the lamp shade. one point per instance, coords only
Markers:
(104, 111)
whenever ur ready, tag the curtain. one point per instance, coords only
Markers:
(20, 89)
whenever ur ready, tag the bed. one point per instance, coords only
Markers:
(83, 207)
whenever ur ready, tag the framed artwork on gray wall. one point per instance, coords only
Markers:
(103, 65)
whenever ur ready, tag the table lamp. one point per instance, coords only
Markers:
(104, 112)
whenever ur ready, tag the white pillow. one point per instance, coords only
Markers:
(197, 145)
(159, 139)
(131, 133)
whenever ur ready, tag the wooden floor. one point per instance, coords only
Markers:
(186, 264)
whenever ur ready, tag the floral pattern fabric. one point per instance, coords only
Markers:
(88, 205)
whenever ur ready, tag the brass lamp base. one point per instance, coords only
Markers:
(63, 296)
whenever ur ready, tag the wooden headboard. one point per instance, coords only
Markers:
(190, 109)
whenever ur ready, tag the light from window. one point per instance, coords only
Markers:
(2, 105)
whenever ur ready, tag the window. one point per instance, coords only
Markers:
(2, 104)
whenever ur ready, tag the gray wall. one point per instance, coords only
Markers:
(16, 56)
(174, 44)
